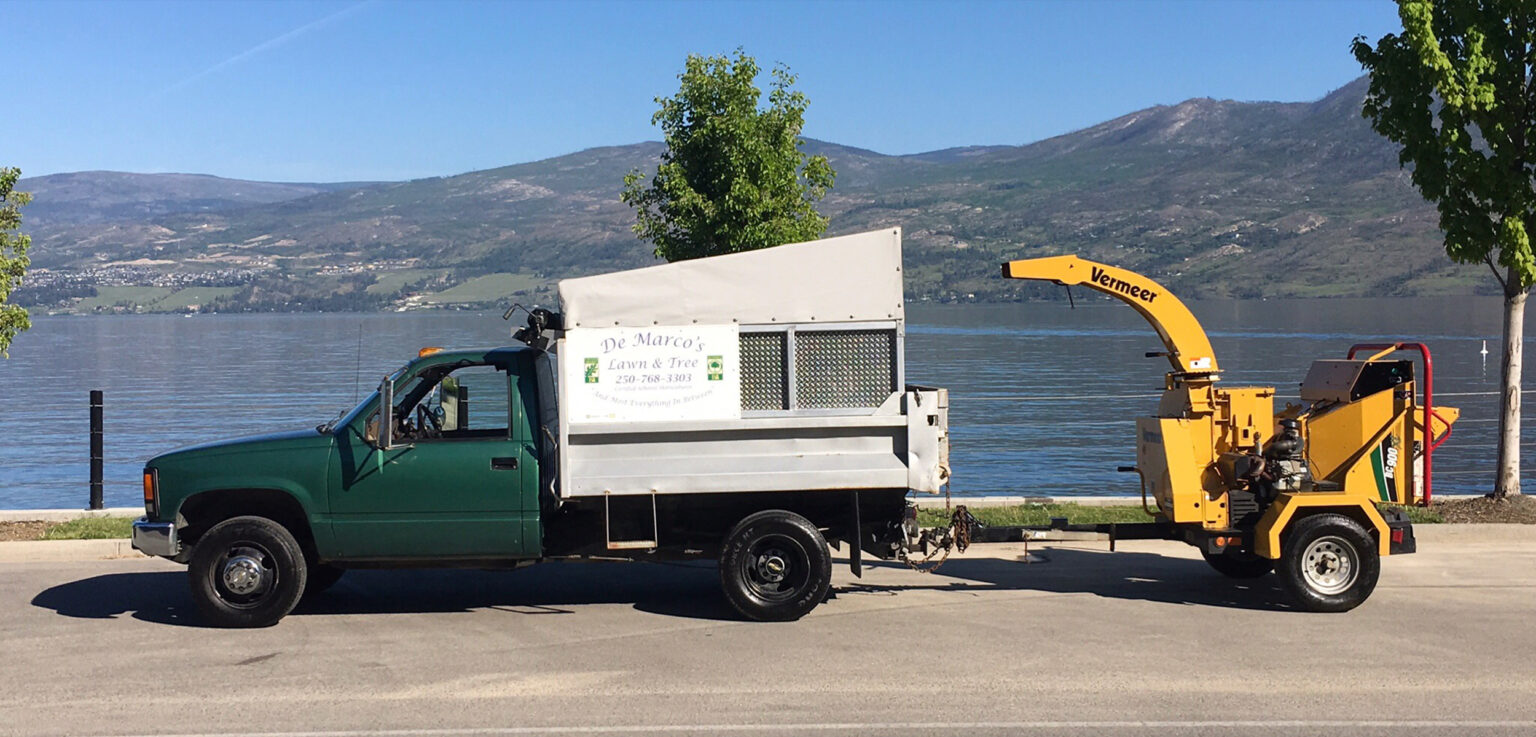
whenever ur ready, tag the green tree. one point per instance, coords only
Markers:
(1457, 91)
(733, 177)
(13, 257)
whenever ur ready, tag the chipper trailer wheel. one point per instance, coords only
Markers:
(1329, 563)
(775, 567)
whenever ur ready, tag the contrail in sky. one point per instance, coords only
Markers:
(266, 45)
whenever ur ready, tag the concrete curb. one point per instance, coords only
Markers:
(1474, 534)
(65, 515)
(65, 551)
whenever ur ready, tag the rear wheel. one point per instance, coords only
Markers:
(247, 572)
(1239, 564)
(774, 566)
(1329, 563)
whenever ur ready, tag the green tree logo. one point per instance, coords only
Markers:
(590, 374)
(716, 368)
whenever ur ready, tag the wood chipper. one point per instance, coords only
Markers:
(1311, 491)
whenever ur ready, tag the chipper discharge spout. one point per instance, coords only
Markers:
(1309, 491)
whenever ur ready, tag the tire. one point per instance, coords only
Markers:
(1239, 564)
(321, 577)
(775, 567)
(247, 572)
(1329, 563)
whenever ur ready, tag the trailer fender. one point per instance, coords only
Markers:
(1292, 506)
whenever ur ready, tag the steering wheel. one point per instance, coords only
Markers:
(427, 422)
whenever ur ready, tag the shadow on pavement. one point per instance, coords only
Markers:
(691, 591)
(156, 597)
(1122, 575)
(679, 590)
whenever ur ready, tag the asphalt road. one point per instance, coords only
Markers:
(1143, 641)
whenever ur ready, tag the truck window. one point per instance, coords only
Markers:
(468, 402)
(473, 401)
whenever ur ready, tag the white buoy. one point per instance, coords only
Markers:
(1485, 350)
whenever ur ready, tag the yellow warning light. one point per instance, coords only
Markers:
(423, 353)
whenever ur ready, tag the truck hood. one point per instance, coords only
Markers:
(267, 442)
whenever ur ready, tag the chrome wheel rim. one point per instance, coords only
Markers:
(245, 575)
(1329, 565)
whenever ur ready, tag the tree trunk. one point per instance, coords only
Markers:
(1508, 481)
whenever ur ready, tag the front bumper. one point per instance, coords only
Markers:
(155, 538)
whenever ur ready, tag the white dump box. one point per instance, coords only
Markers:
(772, 370)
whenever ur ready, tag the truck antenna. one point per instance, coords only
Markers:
(357, 374)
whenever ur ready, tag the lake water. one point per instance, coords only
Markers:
(1043, 397)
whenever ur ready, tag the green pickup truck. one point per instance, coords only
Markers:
(629, 425)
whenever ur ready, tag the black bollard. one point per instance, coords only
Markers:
(96, 449)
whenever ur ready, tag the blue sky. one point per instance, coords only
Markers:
(336, 91)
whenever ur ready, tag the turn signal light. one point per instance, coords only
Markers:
(151, 492)
(423, 353)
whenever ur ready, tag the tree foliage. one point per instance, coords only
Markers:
(13, 257)
(1455, 91)
(733, 177)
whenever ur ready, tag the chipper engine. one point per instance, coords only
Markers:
(1312, 491)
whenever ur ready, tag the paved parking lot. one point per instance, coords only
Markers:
(1145, 640)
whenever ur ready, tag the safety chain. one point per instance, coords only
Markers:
(957, 536)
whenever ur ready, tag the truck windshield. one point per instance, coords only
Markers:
(346, 416)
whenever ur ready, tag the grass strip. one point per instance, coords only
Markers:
(1039, 514)
(91, 528)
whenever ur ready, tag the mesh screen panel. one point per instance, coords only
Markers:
(837, 369)
(762, 371)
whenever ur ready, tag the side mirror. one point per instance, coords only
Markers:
(381, 429)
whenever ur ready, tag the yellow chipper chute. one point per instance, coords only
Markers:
(1309, 491)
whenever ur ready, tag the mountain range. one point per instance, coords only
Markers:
(1215, 198)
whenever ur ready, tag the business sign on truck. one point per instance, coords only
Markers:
(652, 374)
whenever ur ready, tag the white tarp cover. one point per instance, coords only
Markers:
(652, 374)
(851, 278)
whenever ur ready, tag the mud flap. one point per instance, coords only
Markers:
(856, 540)
(1401, 531)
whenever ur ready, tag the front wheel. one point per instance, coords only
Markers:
(1329, 563)
(774, 566)
(247, 572)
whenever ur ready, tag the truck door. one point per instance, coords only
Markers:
(456, 482)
